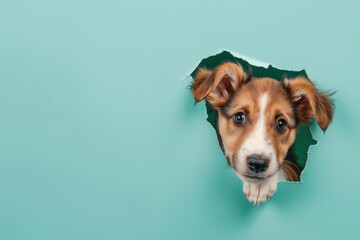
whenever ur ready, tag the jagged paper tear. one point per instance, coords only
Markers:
(304, 138)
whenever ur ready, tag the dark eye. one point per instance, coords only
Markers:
(240, 118)
(281, 124)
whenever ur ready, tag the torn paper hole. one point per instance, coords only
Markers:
(297, 154)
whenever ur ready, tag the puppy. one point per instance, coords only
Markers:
(258, 119)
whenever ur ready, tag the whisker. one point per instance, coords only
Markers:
(291, 176)
(295, 174)
(293, 165)
(287, 173)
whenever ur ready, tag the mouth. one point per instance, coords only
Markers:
(255, 176)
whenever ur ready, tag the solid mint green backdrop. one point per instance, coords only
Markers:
(99, 137)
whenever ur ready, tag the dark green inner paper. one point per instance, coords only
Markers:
(304, 138)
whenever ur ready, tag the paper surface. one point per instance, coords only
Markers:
(298, 152)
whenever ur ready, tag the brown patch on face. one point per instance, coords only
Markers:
(232, 134)
(279, 108)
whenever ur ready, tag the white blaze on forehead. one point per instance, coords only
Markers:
(257, 142)
(258, 137)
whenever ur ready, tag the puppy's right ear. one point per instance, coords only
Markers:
(218, 86)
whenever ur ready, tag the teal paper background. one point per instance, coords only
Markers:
(100, 139)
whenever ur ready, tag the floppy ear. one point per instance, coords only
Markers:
(217, 86)
(309, 102)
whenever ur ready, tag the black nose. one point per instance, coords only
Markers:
(257, 163)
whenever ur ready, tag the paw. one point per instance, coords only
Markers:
(260, 192)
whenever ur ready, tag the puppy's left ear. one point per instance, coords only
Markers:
(310, 102)
(218, 86)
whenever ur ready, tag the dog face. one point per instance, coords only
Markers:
(257, 128)
(258, 117)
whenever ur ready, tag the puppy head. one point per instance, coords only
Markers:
(258, 117)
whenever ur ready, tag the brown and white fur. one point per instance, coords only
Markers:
(257, 122)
